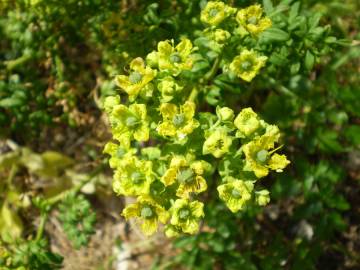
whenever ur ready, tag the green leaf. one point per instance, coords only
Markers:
(274, 35)
(213, 96)
(328, 141)
(352, 134)
(294, 23)
(294, 68)
(152, 153)
(316, 33)
(294, 10)
(268, 6)
(314, 20)
(48, 164)
(9, 159)
(309, 60)
(200, 65)
(11, 225)
(11, 102)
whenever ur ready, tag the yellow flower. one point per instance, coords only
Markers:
(278, 162)
(259, 158)
(149, 212)
(140, 76)
(247, 65)
(186, 215)
(262, 197)
(133, 177)
(175, 59)
(187, 174)
(217, 144)
(117, 152)
(247, 122)
(236, 193)
(172, 231)
(225, 113)
(177, 122)
(110, 102)
(251, 19)
(129, 122)
(216, 38)
(220, 36)
(168, 88)
(152, 59)
(215, 12)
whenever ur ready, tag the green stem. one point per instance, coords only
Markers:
(12, 174)
(207, 77)
(41, 228)
(274, 150)
(11, 64)
(193, 95)
(212, 72)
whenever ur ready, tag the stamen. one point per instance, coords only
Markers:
(175, 58)
(236, 194)
(184, 213)
(135, 77)
(147, 212)
(262, 156)
(178, 120)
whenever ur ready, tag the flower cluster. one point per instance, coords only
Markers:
(168, 147)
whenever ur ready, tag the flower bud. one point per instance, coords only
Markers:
(152, 59)
(147, 91)
(110, 102)
(247, 65)
(262, 197)
(215, 12)
(225, 114)
(247, 122)
(221, 35)
(217, 144)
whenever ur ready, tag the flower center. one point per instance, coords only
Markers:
(185, 176)
(252, 20)
(178, 120)
(175, 58)
(235, 194)
(246, 65)
(147, 212)
(169, 88)
(120, 152)
(213, 12)
(262, 156)
(136, 178)
(184, 213)
(135, 77)
(132, 121)
(219, 144)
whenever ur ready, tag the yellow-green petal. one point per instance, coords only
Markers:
(247, 65)
(217, 144)
(168, 110)
(184, 47)
(278, 162)
(169, 177)
(166, 129)
(247, 122)
(251, 18)
(142, 133)
(188, 109)
(149, 227)
(131, 211)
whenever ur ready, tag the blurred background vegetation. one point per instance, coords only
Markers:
(57, 62)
